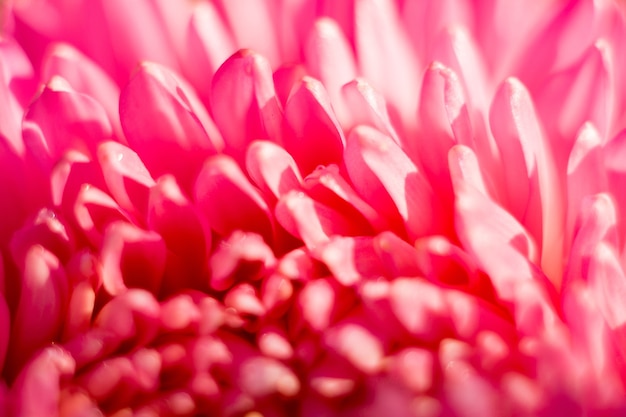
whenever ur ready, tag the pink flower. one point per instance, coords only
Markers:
(312, 208)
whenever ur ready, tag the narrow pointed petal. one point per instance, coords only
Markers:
(585, 174)
(388, 180)
(485, 229)
(614, 153)
(596, 223)
(209, 44)
(166, 124)
(244, 102)
(465, 168)
(397, 256)
(253, 26)
(226, 198)
(380, 41)
(586, 90)
(313, 135)
(331, 60)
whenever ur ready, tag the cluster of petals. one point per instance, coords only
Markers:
(274, 208)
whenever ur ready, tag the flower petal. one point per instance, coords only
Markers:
(131, 258)
(313, 135)
(226, 198)
(166, 124)
(244, 102)
(388, 180)
(272, 168)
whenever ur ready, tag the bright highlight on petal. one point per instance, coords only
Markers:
(358, 208)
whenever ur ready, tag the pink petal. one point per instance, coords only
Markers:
(465, 168)
(37, 320)
(86, 77)
(244, 300)
(380, 42)
(228, 200)
(596, 223)
(184, 231)
(421, 308)
(60, 119)
(332, 378)
(244, 102)
(398, 257)
(273, 342)
(485, 229)
(330, 59)
(126, 177)
(276, 294)
(37, 389)
(47, 230)
(586, 174)
(272, 168)
(209, 44)
(415, 367)
(166, 124)
(131, 258)
(327, 185)
(608, 284)
(130, 317)
(93, 210)
(367, 107)
(313, 135)
(614, 152)
(585, 89)
(253, 26)
(310, 221)
(350, 259)
(260, 377)
(445, 122)
(388, 180)
(318, 302)
(352, 340)
(242, 256)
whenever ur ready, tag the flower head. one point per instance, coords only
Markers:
(273, 208)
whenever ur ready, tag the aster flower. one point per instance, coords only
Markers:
(312, 208)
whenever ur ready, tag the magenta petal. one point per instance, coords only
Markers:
(311, 221)
(36, 392)
(272, 168)
(388, 180)
(41, 307)
(185, 232)
(126, 177)
(313, 135)
(330, 59)
(260, 377)
(398, 257)
(608, 284)
(273, 343)
(228, 200)
(166, 124)
(421, 308)
(350, 259)
(131, 258)
(354, 341)
(244, 102)
(86, 77)
(415, 367)
(317, 302)
(93, 210)
(586, 174)
(61, 119)
(132, 316)
(327, 185)
(380, 41)
(209, 44)
(332, 378)
(241, 256)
